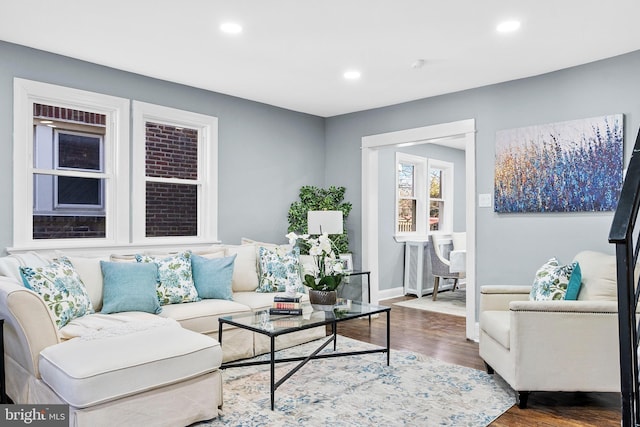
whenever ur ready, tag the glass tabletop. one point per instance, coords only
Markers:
(276, 324)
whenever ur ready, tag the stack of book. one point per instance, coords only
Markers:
(283, 304)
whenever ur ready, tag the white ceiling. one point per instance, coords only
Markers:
(292, 53)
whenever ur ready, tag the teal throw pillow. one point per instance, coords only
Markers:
(575, 282)
(551, 281)
(61, 288)
(279, 267)
(212, 277)
(175, 278)
(129, 286)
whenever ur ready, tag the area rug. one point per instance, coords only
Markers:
(447, 302)
(415, 390)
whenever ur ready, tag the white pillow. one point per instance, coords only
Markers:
(91, 274)
(459, 240)
(122, 258)
(245, 270)
(598, 276)
(214, 251)
(285, 247)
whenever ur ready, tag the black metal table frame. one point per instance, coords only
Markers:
(303, 359)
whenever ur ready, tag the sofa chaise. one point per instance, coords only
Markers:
(128, 367)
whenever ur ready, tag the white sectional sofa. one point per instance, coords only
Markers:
(131, 367)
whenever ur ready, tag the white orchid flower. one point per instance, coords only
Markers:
(321, 249)
(325, 244)
(323, 238)
(293, 238)
(315, 251)
(337, 267)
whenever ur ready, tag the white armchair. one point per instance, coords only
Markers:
(554, 345)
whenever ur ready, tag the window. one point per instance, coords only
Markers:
(424, 195)
(440, 196)
(407, 199)
(66, 162)
(175, 178)
(74, 183)
(78, 152)
(410, 187)
(70, 166)
(436, 203)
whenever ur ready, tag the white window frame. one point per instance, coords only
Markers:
(46, 151)
(57, 206)
(116, 162)
(420, 189)
(447, 191)
(207, 181)
(422, 166)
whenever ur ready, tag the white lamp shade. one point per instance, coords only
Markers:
(329, 222)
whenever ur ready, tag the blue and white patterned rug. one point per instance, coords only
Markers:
(416, 390)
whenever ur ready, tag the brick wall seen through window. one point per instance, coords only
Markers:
(171, 152)
(68, 226)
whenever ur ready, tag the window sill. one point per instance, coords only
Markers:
(95, 249)
(401, 238)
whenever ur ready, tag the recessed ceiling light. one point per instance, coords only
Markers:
(352, 74)
(508, 26)
(46, 122)
(418, 63)
(231, 28)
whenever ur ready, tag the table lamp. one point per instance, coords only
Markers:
(329, 222)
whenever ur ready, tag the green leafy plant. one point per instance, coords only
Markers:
(317, 199)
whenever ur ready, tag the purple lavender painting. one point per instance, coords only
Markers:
(573, 166)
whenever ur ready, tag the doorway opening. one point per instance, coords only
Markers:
(459, 132)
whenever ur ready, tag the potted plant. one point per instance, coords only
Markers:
(314, 198)
(327, 271)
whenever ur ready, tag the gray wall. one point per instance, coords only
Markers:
(509, 247)
(265, 153)
(391, 251)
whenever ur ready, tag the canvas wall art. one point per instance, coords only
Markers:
(573, 166)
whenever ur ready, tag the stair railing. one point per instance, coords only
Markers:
(622, 233)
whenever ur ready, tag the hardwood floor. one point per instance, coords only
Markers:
(443, 337)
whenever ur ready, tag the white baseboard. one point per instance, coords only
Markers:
(390, 293)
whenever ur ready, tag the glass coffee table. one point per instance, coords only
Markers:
(273, 326)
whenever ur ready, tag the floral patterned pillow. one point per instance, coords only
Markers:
(552, 280)
(279, 268)
(175, 278)
(61, 288)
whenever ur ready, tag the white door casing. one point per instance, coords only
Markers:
(463, 129)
